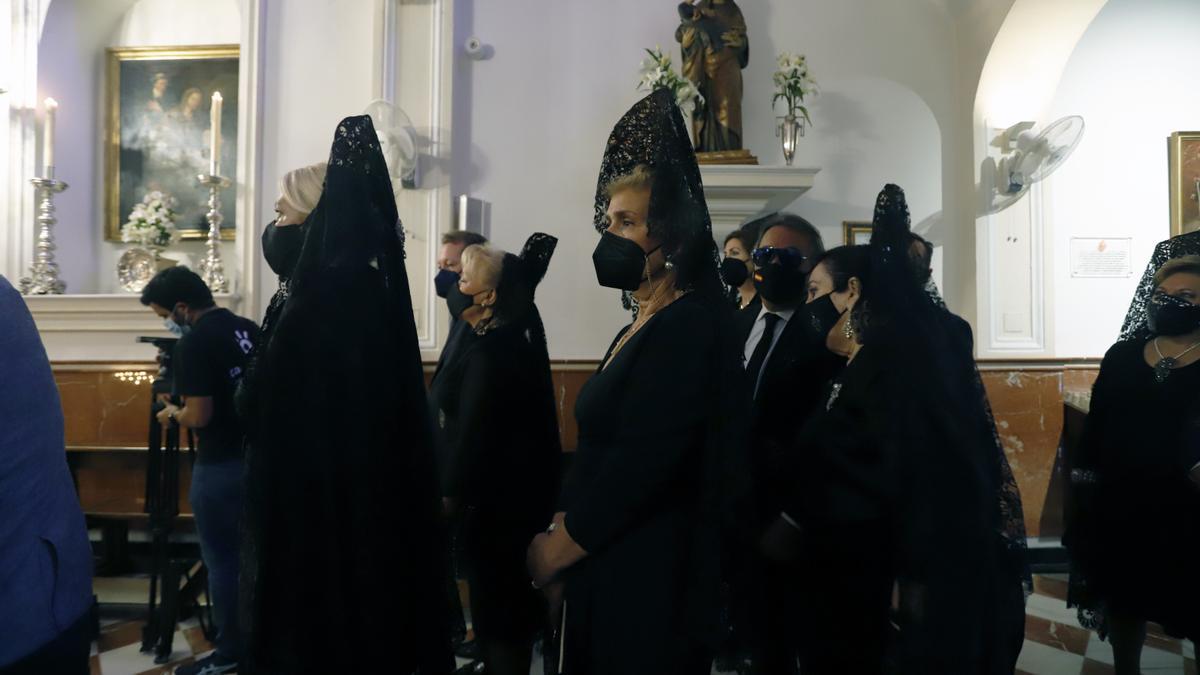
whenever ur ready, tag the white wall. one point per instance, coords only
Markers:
(319, 69)
(71, 69)
(563, 72)
(1132, 78)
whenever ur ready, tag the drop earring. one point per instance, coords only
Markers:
(848, 331)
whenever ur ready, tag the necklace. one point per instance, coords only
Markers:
(1162, 369)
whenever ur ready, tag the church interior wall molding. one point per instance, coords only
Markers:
(736, 192)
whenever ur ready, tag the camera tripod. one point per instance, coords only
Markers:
(181, 580)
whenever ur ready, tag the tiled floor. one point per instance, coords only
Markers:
(1055, 644)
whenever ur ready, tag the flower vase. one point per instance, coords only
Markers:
(160, 261)
(789, 131)
(687, 109)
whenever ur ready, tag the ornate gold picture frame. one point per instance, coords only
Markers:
(158, 129)
(1183, 157)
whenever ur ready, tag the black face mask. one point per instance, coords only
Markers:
(1169, 315)
(823, 315)
(779, 284)
(458, 302)
(620, 263)
(281, 247)
(734, 272)
(443, 281)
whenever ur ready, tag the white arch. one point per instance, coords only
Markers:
(1028, 56)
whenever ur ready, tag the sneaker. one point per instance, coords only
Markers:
(213, 664)
(467, 650)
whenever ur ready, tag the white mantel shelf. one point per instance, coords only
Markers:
(736, 192)
(101, 327)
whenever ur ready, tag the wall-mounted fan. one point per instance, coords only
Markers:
(397, 140)
(1033, 159)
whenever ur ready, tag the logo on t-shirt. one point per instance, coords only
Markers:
(243, 340)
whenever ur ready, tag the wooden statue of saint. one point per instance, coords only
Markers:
(712, 36)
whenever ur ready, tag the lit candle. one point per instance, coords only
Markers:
(48, 138)
(214, 149)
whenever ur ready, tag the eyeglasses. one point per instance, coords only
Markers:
(790, 256)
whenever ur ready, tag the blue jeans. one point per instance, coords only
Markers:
(216, 499)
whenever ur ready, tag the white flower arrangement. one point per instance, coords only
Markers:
(657, 73)
(794, 82)
(151, 222)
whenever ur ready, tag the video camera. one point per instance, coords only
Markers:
(166, 376)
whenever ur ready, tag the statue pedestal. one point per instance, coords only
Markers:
(726, 157)
(736, 192)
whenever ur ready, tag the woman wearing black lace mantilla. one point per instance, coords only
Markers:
(895, 478)
(636, 539)
(341, 492)
(495, 404)
(1134, 528)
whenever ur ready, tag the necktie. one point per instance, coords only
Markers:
(761, 349)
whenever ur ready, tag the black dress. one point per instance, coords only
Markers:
(640, 501)
(844, 497)
(496, 409)
(892, 484)
(1134, 537)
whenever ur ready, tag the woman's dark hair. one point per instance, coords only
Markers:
(844, 262)
(177, 284)
(747, 239)
(922, 259)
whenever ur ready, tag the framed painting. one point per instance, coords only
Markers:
(856, 232)
(158, 132)
(1183, 156)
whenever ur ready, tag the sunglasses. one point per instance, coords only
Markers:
(790, 256)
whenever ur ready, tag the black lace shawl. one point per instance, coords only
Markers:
(341, 494)
(652, 133)
(950, 471)
(1135, 327)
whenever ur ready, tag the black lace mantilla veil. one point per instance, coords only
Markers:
(341, 496)
(1134, 327)
(1012, 514)
(519, 279)
(653, 133)
(950, 472)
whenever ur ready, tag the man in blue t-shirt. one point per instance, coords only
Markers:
(209, 359)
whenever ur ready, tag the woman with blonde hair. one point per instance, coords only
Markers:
(496, 408)
(341, 490)
(636, 540)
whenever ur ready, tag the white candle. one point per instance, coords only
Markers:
(214, 149)
(48, 138)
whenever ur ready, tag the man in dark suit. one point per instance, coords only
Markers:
(786, 369)
(45, 558)
(449, 266)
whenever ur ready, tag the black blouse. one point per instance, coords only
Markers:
(496, 409)
(641, 497)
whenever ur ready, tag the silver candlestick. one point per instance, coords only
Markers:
(212, 270)
(43, 274)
